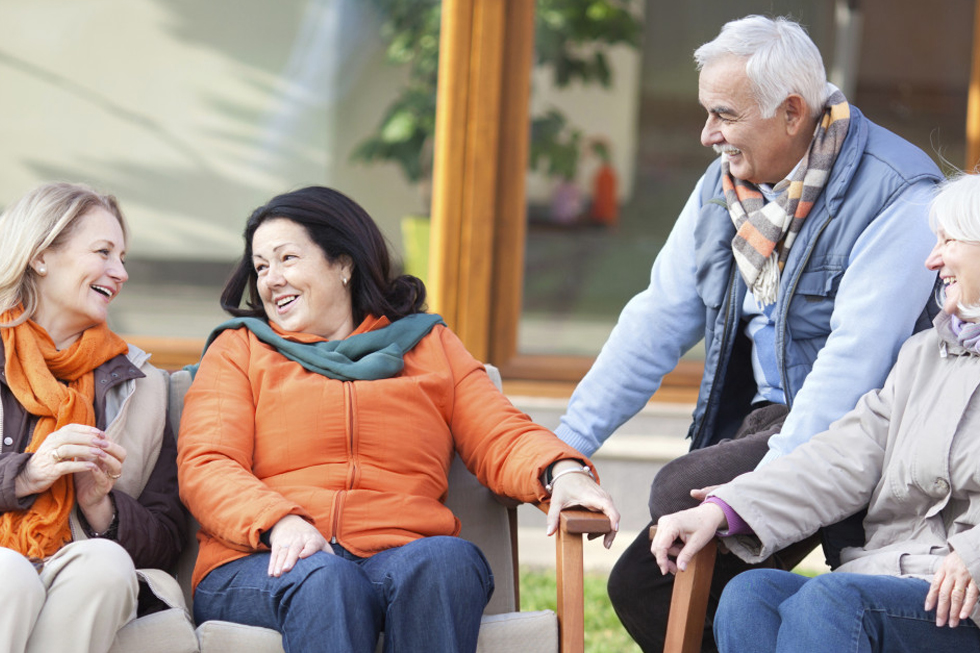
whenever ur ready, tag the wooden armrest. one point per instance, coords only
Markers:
(572, 524)
(689, 601)
(580, 521)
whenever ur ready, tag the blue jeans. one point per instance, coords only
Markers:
(427, 595)
(773, 610)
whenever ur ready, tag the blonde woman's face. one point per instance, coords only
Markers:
(77, 282)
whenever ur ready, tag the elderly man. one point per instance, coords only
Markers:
(797, 259)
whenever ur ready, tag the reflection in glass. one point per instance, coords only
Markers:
(193, 114)
(910, 77)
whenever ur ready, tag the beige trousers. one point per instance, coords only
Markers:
(84, 594)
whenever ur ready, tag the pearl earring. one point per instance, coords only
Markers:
(344, 281)
(42, 270)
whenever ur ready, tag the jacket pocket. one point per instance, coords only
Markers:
(813, 301)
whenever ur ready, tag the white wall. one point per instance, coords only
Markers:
(610, 114)
(195, 112)
(192, 113)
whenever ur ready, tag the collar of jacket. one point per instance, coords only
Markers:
(375, 350)
(835, 191)
(111, 373)
(949, 344)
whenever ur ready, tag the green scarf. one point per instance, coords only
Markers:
(377, 354)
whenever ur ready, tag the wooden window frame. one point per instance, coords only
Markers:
(973, 99)
(479, 207)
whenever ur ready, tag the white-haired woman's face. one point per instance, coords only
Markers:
(958, 264)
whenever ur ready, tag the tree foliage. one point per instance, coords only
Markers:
(572, 39)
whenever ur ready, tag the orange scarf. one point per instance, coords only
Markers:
(34, 367)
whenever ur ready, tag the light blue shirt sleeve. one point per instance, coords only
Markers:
(881, 295)
(654, 329)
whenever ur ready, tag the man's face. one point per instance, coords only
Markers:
(760, 150)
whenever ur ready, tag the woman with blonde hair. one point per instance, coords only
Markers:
(88, 478)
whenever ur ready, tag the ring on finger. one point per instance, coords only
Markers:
(56, 454)
(113, 476)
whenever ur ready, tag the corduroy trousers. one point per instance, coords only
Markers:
(639, 593)
(80, 598)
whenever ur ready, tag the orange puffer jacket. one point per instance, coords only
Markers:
(364, 461)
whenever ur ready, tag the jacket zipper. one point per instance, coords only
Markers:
(784, 313)
(352, 472)
(724, 341)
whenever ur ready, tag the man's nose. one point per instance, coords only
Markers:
(710, 134)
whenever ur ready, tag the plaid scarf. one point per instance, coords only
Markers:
(762, 226)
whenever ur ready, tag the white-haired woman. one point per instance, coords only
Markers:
(909, 452)
(88, 476)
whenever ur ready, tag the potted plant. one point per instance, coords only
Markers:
(572, 39)
(555, 152)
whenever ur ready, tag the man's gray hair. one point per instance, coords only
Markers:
(780, 60)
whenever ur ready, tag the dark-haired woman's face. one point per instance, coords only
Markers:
(301, 290)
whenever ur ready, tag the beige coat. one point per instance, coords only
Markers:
(910, 451)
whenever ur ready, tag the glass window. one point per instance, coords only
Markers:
(193, 114)
(909, 75)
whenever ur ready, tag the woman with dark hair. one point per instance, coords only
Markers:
(317, 437)
(341, 229)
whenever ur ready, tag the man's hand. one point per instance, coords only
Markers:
(702, 494)
(682, 534)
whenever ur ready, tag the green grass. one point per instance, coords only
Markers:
(603, 632)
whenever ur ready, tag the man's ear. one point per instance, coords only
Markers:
(795, 112)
